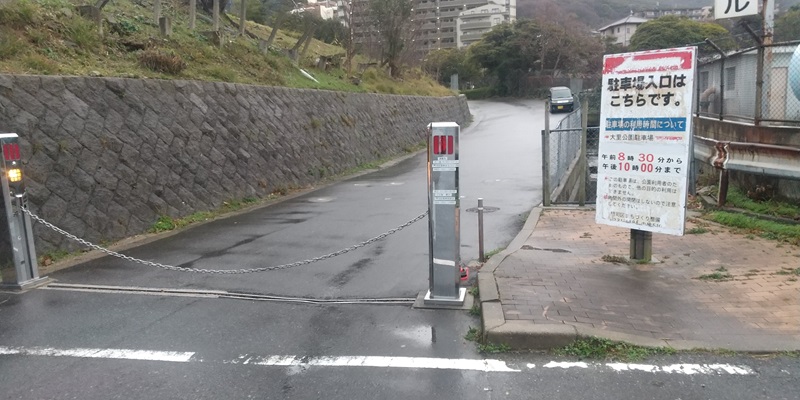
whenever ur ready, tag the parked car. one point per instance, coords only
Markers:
(561, 99)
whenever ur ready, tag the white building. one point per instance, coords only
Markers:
(622, 30)
(473, 23)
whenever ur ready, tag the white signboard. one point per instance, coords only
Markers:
(734, 8)
(645, 138)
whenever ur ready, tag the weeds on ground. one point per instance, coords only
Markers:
(475, 311)
(596, 348)
(720, 274)
(493, 253)
(475, 335)
(697, 230)
(614, 259)
(166, 223)
(789, 271)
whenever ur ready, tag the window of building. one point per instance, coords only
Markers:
(627, 30)
(484, 11)
(730, 78)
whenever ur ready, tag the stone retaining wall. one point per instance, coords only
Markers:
(105, 157)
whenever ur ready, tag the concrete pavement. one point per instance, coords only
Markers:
(557, 282)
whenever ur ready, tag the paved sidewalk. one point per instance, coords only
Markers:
(551, 285)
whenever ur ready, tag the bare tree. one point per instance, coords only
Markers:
(392, 18)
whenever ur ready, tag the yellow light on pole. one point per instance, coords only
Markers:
(14, 175)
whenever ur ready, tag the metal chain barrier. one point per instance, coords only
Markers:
(219, 271)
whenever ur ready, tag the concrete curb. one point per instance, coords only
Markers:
(526, 335)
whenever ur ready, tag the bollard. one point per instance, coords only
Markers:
(481, 254)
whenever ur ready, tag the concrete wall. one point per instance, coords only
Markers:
(105, 157)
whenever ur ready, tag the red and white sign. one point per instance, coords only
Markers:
(645, 139)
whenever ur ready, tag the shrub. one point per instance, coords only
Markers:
(83, 33)
(479, 93)
(162, 61)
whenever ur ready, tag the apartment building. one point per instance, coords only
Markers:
(697, 14)
(447, 24)
(438, 24)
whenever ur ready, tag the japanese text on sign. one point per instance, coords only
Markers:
(645, 133)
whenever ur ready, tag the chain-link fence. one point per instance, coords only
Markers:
(729, 87)
(561, 153)
(564, 146)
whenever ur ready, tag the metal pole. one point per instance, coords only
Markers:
(481, 254)
(546, 156)
(722, 196)
(157, 10)
(767, 23)
(192, 14)
(215, 15)
(242, 18)
(583, 163)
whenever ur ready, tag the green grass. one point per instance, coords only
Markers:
(596, 348)
(697, 230)
(493, 253)
(763, 228)
(31, 29)
(737, 198)
(166, 223)
(56, 256)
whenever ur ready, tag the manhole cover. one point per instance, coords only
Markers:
(485, 209)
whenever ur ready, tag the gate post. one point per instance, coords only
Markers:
(444, 215)
(18, 270)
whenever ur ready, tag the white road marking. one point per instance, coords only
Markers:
(119, 354)
(565, 365)
(370, 361)
(382, 362)
(685, 369)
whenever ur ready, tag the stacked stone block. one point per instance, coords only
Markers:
(105, 157)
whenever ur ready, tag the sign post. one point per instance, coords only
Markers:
(20, 270)
(645, 141)
(444, 215)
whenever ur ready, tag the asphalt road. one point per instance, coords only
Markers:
(500, 162)
(201, 336)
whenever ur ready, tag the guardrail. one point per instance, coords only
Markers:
(754, 158)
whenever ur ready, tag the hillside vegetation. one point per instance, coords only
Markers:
(49, 37)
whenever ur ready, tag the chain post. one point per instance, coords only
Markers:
(20, 271)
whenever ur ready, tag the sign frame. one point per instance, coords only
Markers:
(645, 145)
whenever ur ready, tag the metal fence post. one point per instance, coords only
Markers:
(546, 156)
(583, 162)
